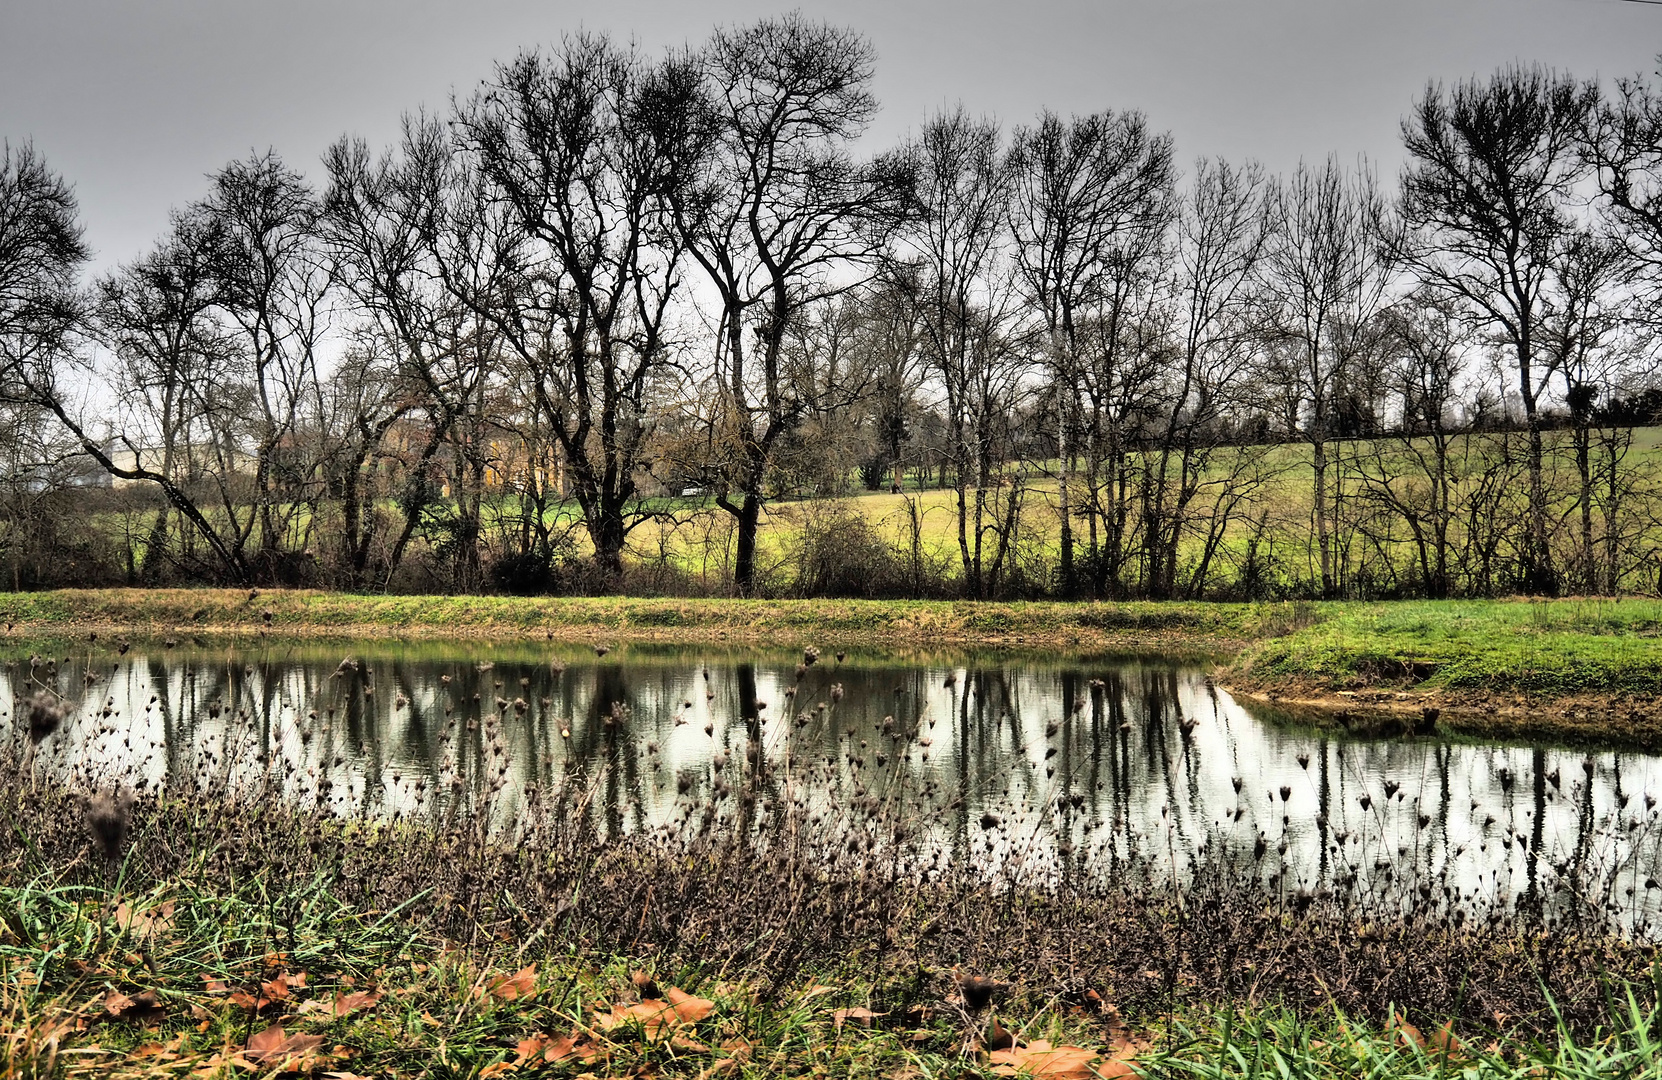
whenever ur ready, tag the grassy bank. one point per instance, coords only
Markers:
(1542, 647)
(1495, 667)
(159, 613)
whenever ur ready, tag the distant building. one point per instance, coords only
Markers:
(190, 460)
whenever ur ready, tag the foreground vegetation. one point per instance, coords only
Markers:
(181, 983)
(225, 922)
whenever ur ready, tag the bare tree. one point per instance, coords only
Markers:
(772, 205)
(273, 281)
(1582, 333)
(1206, 374)
(1621, 142)
(157, 316)
(1488, 199)
(1092, 205)
(966, 306)
(425, 251)
(568, 139)
(41, 252)
(1326, 276)
(182, 389)
(1417, 475)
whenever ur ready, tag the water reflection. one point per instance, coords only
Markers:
(1054, 764)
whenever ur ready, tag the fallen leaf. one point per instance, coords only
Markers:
(272, 1047)
(657, 1017)
(214, 985)
(857, 1015)
(144, 1005)
(1442, 1040)
(346, 1004)
(143, 924)
(497, 1070)
(689, 1009)
(273, 990)
(522, 983)
(540, 1049)
(738, 1051)
(1041, 1059)
(170, 1052)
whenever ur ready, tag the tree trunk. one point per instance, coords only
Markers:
(744, 559)
(1324, 542)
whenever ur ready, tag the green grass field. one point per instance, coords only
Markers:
(693, 541)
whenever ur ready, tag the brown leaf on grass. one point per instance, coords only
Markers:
(737, 1051)
(275, 1048)
(144, 924)
(521, 984)
(498, 1069)
(277, 989)
(658, 1017)
(1041, 1059)
(143, 1006)
(1118, 1033)
(1405, 1033)
(347, 1004)
(689, 1009)
(282, 987)
(545, 1049)
(1121, 1041)
(158, 1052)
(1441, 1042)
(212, 984)
(856, 1015)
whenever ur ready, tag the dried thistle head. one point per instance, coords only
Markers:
(977, 990)
(46, 713)
(107, 820)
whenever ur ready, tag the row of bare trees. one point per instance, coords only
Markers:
(610, 307)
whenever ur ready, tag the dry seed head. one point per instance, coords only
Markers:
(46, 712)
(107, 820)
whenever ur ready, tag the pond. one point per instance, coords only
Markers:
(1050, 763)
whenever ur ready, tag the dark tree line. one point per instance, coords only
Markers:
(618, 321)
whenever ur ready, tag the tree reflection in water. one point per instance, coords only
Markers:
(1061, 766)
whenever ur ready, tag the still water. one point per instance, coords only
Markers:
(1036, 759)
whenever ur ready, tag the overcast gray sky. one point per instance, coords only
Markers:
(136, 100)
